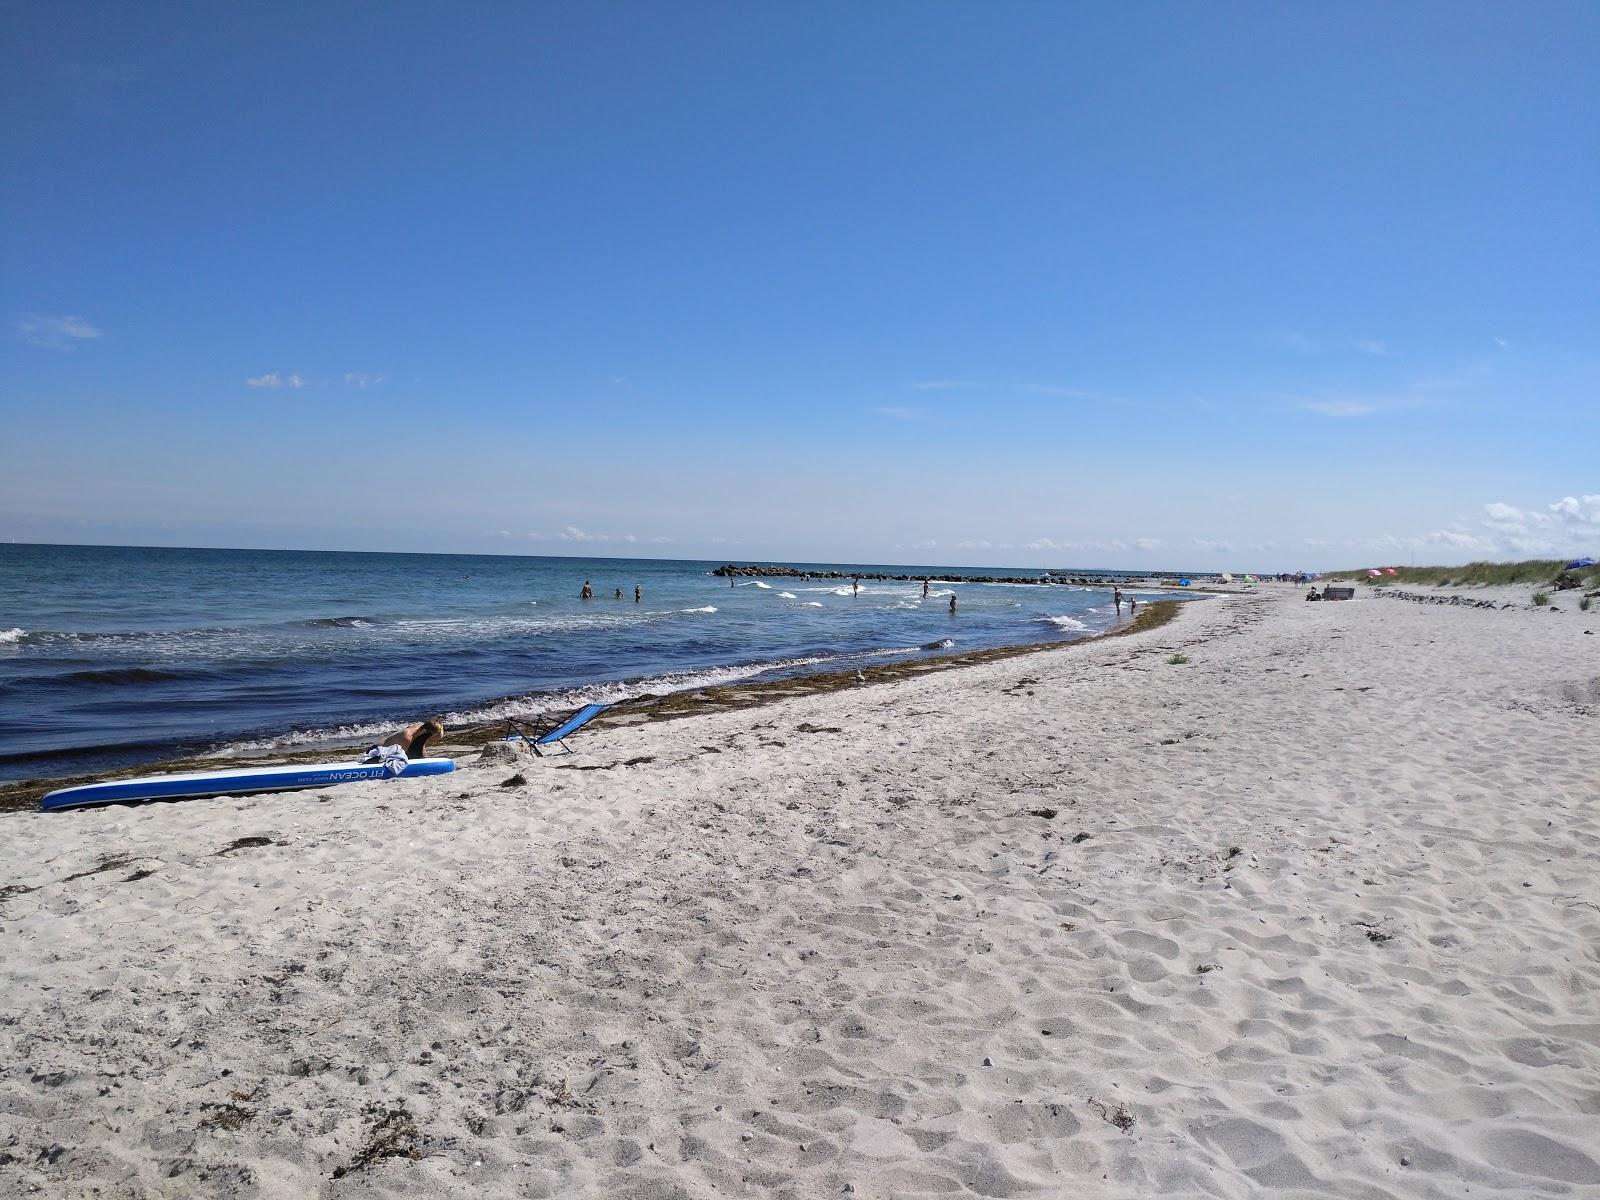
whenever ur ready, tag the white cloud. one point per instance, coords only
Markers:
(1340, 408)
(1503, 531)
(1147, 543)
(363, 379)
(1502, 343)
(273, 380)
(55, 333)
(1214, 546)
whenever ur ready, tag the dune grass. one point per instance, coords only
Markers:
(1533, 571)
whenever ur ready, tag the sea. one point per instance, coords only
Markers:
(111, 656)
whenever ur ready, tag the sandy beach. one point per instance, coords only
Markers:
(1315, 912)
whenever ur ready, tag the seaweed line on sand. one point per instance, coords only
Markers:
(24, 795)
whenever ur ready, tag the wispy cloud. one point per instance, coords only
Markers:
(1030, 389)
(1341, 408)
(1099, 546)
(576, 536)
(363, 379)
(55, 333)
(900, 414)
(1296, 340)
(273, 380)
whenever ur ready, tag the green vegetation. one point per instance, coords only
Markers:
(1536, 571)
(1541, 598)
(1585, 604)
(1177, 660)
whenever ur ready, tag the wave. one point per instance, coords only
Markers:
(340, 622)
(9, 637)
(941, 644)
(786, 596)
(755, 583)
(518, 707)
(709, 608)
(1071, 623)
(116, 675)
(811, 604)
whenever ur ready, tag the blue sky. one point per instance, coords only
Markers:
(1037, 284)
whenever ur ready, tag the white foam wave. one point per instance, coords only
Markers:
(1068, 623)
(707, 609)
(767, 587)
(812, 604)
(786, 595)
(517, 707)
(8, 636)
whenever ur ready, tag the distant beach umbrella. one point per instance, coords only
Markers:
(1390, 571)
(1579, 563)
(1374, 572)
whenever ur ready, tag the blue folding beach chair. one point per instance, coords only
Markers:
(547, 731)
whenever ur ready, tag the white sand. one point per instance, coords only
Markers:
(1318, 913)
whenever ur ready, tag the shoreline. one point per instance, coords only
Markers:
(23, 795)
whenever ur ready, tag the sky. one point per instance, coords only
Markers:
(1200, 286)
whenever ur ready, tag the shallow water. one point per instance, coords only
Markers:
(110, 655)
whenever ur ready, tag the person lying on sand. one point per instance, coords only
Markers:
(414, 739)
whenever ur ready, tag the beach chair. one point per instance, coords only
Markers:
(1333, 593)
(548, 731)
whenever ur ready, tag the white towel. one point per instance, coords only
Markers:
(392, 757)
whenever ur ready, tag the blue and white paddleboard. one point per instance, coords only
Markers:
(234, 783)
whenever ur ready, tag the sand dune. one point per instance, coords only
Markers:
(1315, 913)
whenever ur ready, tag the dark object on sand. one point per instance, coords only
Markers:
(1333, 593)
(547, 731)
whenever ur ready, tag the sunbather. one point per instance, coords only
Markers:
(414, 739)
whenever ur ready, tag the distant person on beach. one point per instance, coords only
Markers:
(638, 594)
(588, 591)
(855, 587)
(1116, 595)
(952, 604)
(618, 596)
(924, 589)
(1132, 604)
(414, 739)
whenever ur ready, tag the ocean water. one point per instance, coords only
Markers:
(116, 655)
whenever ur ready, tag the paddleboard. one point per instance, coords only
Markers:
(236, 783)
